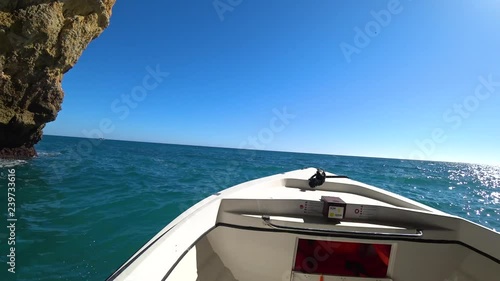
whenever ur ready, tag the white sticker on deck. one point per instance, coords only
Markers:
(314, 208)
(355, 211)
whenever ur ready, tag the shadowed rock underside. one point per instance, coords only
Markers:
(40, 40)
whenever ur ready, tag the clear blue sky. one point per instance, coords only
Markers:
(352, 80)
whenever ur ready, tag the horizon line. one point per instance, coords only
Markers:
(284, 151)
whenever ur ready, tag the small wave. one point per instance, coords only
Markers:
(48, 154)
(8, 163)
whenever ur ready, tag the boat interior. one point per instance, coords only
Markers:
(249, 246)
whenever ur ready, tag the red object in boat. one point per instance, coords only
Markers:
(342, 258)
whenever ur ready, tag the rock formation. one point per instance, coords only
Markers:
(40, 40)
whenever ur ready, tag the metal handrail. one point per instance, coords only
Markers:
(267, 221)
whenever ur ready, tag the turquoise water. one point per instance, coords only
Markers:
(84, 208)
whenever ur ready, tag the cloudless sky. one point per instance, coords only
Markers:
(408, 79)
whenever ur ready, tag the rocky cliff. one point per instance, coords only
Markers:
(40, 40)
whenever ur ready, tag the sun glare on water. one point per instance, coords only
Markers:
(483, 182)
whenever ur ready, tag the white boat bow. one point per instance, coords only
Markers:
(281, 228)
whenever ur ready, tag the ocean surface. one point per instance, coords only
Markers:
(83, 207)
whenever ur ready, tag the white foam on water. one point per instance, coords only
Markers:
(9, 163)
(48, 154)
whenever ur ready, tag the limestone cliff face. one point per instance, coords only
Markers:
(40, 40)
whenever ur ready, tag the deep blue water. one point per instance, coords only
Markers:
(84, 208)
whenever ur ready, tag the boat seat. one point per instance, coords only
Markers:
(201, 263)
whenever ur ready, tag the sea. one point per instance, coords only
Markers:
(84, 206)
